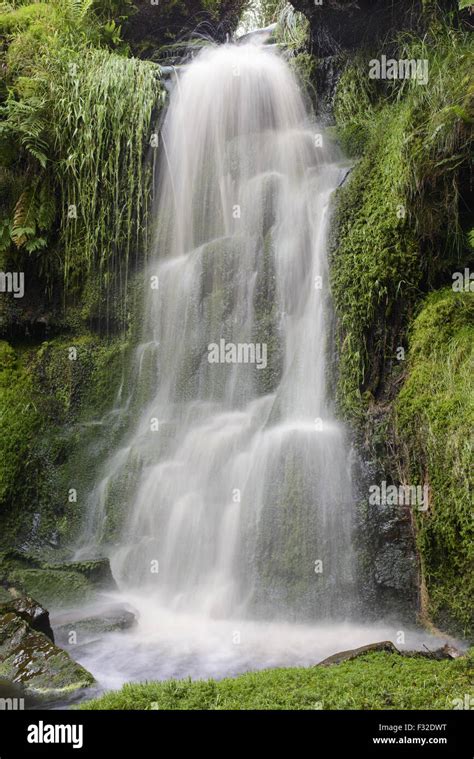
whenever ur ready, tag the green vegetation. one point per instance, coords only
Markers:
(50, 438)
(401, 229)
(74, 130)
(398, 226)
(373, 681)
(54, 585)
(76, 118)
(434, 419)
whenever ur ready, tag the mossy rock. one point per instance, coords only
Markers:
(30, 658)
(396, 227)
(434, 418)
(55, 433)
(60, 585)
(35, 615)
(53, 587)
(5, 596)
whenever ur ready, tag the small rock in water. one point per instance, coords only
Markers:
(89, 625)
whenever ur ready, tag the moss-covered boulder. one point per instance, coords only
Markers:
(56, 585)
(29, 657)
(31, 612)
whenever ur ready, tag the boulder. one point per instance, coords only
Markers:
(29, 658)
(55, 584)
(32, 612)
(89, 625)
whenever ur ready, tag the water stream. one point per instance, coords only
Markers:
(237, 543)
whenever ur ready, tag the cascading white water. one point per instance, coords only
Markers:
(236, 478)
(243, 502)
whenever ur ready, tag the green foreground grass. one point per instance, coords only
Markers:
(373, 681)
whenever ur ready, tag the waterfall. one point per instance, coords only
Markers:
(241, 505)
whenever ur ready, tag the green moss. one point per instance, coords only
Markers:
(23, 16)
(397, 222)
(304, 65)
(30, 658)
(19, 425)
(374, 681)
(375, 263)
(55, 431)
(56, 585)
(52, 588)
(434, 418)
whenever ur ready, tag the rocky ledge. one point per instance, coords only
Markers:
(29, 657)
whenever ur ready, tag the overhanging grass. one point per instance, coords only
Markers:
(373, 681)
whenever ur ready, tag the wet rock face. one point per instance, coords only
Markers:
(36, 616)
(344, 25)
(30, 658)
(156, 24)
(388, 563)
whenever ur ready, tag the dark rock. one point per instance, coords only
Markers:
(446, 652)
(29, 658)
(153, 26)
(89, 626)
(347, 24)
(32, 612)
(395, 567)
(385, 645)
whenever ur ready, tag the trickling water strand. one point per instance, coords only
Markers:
(243, 502)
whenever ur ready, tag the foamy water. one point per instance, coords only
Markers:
(177, 645)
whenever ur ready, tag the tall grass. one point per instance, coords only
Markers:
(75, 123)
(102, 108)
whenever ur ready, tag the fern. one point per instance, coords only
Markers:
(74, 11)
(34, 212)
(20, 228)
(25, 121)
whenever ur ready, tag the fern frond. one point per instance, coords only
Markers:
(20, 218)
